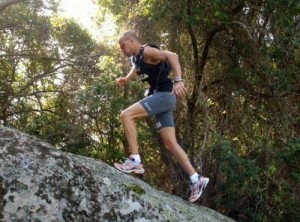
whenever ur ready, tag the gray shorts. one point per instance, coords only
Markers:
(160, 105)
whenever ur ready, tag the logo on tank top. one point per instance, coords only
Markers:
(143, 76)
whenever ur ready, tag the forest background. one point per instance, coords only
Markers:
(239, 124)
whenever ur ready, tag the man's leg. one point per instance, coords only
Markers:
(198, 182)
(169, 139)
(128, 117)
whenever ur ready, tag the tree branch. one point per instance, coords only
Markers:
(5, 3)
(29, 83)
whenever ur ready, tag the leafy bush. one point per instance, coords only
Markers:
(249, 189)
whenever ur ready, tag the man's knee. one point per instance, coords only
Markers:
(170, 145)
(124, 115)
(136, 111)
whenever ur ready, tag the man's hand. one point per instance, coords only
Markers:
(121, 81)
(179, 89)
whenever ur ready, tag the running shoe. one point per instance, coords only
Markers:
(197, 188)
(129, 166)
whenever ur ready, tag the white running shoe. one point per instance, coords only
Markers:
(197, 188)
(129, 166)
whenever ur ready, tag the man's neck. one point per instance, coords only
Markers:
(137, 49)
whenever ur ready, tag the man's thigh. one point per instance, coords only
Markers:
(158, 103)
(164, 120)
(135, 111)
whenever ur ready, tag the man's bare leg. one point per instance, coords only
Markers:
(198, 182)
(168, 136)
(128, 118)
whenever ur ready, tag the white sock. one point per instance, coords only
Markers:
(136, 157)
(194, 178)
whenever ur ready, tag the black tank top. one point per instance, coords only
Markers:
(156, 75)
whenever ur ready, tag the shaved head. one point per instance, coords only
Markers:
(128, 35)
(129, 43)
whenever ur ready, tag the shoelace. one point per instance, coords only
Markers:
(192, 184)
(128, 160)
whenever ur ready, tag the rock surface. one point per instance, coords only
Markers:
(39, 183)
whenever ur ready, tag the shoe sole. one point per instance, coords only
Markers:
(201, 190)
(116, 165)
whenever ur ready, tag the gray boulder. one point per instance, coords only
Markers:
(39, 183)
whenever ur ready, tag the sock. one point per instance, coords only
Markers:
(194, 178)
(136, 158)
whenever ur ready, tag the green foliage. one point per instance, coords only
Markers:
(243, 182)
(135, 188)
(70, 36)
(37, 87)
(25, 34)
(237, 180)
(287, 177)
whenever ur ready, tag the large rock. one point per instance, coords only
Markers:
(40, 183)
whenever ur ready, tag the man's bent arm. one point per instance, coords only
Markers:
(131, 75)
(121, 81)
(154, 56)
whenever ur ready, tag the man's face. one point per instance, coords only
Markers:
(125, 46)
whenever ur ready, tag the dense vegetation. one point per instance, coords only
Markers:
(240, 123)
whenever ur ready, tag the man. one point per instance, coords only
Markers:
(152, 65)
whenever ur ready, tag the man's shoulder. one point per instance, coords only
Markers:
(152, 45)
(150, 49)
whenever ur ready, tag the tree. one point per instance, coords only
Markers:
(44, 63)
(22, 45)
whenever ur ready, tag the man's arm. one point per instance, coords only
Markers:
(154, 56)
(121, 81)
